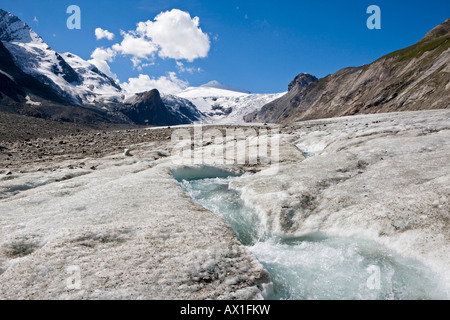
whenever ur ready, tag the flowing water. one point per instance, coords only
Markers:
(316, 266)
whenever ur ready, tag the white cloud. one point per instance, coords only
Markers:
(101, 57)
(173, 34)
(103, 34)
(182, 68)
(177, 35)
(103, 54)
(169, 84)
(136, 46)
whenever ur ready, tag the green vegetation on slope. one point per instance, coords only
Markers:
(417, 50)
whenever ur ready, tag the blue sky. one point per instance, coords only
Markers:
(257, 45)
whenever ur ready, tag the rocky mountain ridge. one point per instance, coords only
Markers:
(414, 78)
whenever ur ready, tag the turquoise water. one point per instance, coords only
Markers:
(316, 267)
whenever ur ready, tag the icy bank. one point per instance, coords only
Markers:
(380, 177)
(123, 231)
(318, 266)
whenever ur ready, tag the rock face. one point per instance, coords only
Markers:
(148, 108)
(272, 110)
(414, 78)
(301, 81)
(15, 82)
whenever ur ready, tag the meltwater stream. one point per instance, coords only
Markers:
(315, 267)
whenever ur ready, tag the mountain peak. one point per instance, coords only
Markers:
(440, 30)
(410, 79)
(218, 85)
(302, 81)
(12, 29)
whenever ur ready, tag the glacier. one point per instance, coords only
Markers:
(133, 233)
(223, 105)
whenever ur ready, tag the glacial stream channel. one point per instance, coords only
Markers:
(317, 266)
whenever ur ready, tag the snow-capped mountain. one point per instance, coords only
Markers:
(186, 110)
(34, 75)
(218, 85)
(93, 79)
(225, 106)
(69, 75)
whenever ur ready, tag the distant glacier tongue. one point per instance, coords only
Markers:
(317, 266)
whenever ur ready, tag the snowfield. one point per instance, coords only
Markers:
(130, 232)
(221, 106)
